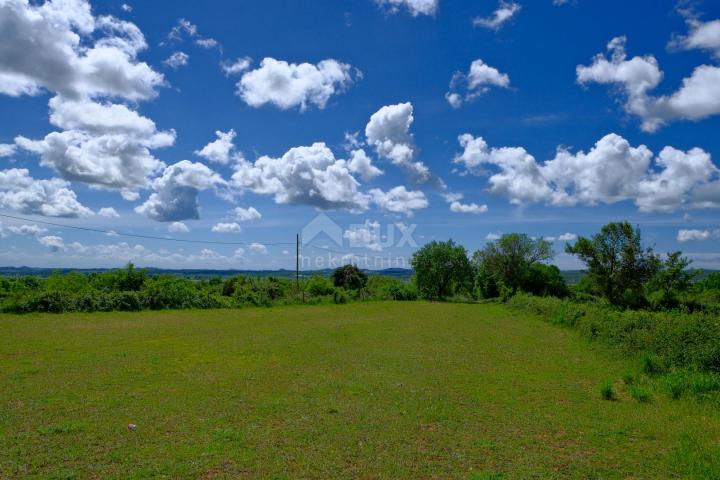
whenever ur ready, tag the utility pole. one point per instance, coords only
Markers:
(297, 262)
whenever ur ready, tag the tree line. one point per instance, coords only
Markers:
(619, 269)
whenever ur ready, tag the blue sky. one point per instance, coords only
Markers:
(572, 114)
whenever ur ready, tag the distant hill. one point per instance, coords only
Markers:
(571, 276)
(402, 273)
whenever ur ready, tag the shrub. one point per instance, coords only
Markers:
(628, 378)
(652, 364)
(389, 288)
(640, 393)
(662, 340)
(606, 391)
(48, 302)
(340, 296)
(349, 277)
(169, 292)
(402, 291)
(319, 286)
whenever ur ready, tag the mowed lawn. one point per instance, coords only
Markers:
(370, 390)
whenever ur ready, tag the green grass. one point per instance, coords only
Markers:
(372, 390)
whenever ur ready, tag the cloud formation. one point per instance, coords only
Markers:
(292, 85)
(176, 192)
(219, 150)
(303, 175)
(227, 228)
(502, 15)
(399, 200)
(479, 80)
(414, 7)
(696, 99)
(103, 144)
(693, 235)
(53, 55)
(612, 171)
(51, 198)
(388, 131)
(177, 60)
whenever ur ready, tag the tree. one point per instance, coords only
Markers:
(349, 277)
(618, 265)
(509, 260)
(545, 280)
(440, 268)
(671, 279)
(131, 279)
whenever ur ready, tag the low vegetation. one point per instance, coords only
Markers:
(368, 390)
(131, 289)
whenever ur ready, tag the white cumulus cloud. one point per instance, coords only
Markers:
(219, 150)
(52, 198)
(246, 214)
(366, 235)
(693, 235)
(479, 79)
(105, 145)
(108, 212)
(178, 227)
(177, 60)
(696, 99)
(227, 228)
(415, 7)
(399, 200)
(52, 38)
(292, 85)
(612, 171)
(303, 175)
(388, 131)
(176, 192)
(258, 248)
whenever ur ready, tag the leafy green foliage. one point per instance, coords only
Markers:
(389, 288)
(640, 393)
(349, 277)
(606, 391)
(671, 280)
(514, 263)
(618, 264)
(664, 342)
(441, 269)
(130, 289)
(319, 286)
(510, 258)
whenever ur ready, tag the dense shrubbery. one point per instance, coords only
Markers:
(131, 289)
(681, 345)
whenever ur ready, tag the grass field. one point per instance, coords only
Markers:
(371, 390)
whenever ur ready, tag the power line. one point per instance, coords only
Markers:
(137, 235)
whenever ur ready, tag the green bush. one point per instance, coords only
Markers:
(639, 393)
(340, 296)
(389, 288)
(663, 340)
(606, 391)
(319, 286)
(349, 277)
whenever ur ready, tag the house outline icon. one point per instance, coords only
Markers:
(319, 225)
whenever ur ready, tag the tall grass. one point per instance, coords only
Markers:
(684, 347)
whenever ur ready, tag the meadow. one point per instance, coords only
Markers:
(363, 390)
